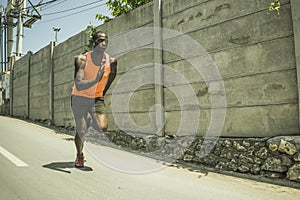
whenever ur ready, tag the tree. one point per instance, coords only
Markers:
(120, 7)
(275, 6)
(90, 32)
(117, 8)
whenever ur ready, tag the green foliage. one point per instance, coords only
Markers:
(117, 8)
(101, 17)
(275, 6)
(120, 7)
(89, 31)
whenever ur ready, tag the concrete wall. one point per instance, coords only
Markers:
(63, 76)
(130, 58)
(21, 87)
(254, 51)
(252, 48)
(39, 87)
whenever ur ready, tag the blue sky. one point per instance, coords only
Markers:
(80, 14)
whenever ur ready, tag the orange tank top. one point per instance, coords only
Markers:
(90, 73)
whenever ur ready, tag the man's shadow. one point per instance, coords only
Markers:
(63, 166)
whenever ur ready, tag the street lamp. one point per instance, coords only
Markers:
(56, 30)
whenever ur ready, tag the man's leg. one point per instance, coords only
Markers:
(79, 107)
(79, 139)
(101, 121)
(98, 114)
(80, 133)
(98, 121)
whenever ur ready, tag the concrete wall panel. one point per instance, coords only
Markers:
(252, 48)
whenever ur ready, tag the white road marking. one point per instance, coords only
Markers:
(12, 158)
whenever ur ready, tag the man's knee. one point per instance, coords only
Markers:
(104, 127)
(102, 122)
(81, 132)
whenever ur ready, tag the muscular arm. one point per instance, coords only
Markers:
(80, 83)
(112, 75)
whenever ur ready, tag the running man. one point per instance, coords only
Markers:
(94, 74)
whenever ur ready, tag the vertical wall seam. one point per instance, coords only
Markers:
(28, 85)
(158, 68)
(295, 7)
(11, 85)
(51, 85)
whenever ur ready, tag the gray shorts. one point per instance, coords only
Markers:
(83, 105)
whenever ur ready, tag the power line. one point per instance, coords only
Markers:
(75, 13)
(50, 6)
(41, 4)
(54, 13)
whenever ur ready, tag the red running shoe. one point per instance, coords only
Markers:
(79, 162)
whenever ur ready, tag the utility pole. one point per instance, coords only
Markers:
(1, 38)
(19, 44)
(16, 9)
(56, 31)
(10, 9)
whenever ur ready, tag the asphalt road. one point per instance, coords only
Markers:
(37, 163)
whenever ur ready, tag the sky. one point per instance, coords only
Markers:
(71, 16)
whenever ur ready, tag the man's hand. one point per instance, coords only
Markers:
(82, 84)
(100, 73)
